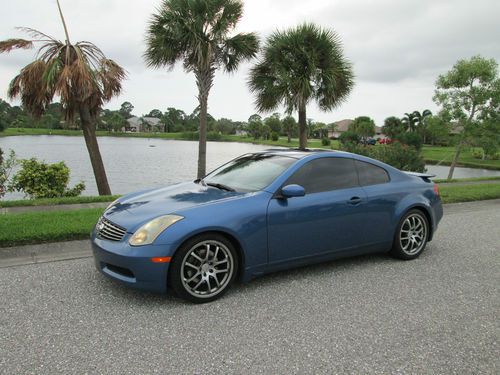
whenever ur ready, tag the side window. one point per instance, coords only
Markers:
(325, 174)
(370, 174)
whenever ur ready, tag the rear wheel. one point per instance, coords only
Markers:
(411, 235)
(203, 268)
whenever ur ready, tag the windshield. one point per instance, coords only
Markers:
(250, 172)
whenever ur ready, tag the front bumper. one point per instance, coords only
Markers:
(131, 265)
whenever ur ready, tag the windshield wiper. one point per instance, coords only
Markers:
(219, 186)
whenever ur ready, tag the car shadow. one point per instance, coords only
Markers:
(127, 295)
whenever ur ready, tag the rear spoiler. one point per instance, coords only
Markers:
(423, 176)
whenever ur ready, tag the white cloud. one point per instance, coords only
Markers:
(397, 48)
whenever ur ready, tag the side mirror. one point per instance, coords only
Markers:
(293, 190)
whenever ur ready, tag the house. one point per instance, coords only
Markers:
(143, 124)
(343, 126)
(340, 127)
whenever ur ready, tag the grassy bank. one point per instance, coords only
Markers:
(39, 227)
(53, 226)
(469, 193)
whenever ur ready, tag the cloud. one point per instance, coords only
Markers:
(398, 48)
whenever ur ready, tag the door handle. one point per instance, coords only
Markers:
(354, 201)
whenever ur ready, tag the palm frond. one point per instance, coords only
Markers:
(36, 34)
(10, 44)
(241, 47)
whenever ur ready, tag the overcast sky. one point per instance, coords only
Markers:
(397, 48)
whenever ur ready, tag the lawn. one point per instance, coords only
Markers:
(53, 226)
(468, 193)
(444, 156)
(58, 201)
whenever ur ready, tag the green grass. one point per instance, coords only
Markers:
(444, 155)
(468, 193)
(470, 179)
(58, 201)
(53, 226)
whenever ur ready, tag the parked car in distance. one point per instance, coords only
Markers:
(263, 212)
(385, 141)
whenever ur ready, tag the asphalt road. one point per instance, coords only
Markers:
(438, 314)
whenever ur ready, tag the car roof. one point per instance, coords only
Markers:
(295, 152)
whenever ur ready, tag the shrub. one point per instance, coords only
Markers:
(396, 154)
(326, 141)
(399, 156)
(349, 137)
(410, 139)
(6, 166)
(40, 180)
(274, 136)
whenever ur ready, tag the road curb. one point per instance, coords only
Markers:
(43, 253)
(55, 251)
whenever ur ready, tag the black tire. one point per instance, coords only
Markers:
(411, 235)
(203, 268)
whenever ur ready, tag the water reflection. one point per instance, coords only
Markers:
(131, 164)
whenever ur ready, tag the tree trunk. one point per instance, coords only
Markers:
(302, 128)
(88, 127)
(289, 134)
(204, 82)
(455, 159)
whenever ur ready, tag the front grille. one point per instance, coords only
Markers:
(109, 231)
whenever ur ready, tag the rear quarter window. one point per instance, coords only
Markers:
(370, 174)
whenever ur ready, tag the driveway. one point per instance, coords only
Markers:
(438, 314)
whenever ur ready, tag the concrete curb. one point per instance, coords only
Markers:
(45, 252)
(56, 251)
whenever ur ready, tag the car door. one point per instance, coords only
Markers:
(328, 218)
(381, 200)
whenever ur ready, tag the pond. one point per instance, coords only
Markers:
(131, 163)
(138, 163)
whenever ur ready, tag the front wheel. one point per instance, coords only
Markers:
(203, 268)
(411, 235)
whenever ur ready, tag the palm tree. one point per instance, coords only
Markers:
(198, 33)
(80, 74)
(409, 121)
(420, 121)
(298, 66)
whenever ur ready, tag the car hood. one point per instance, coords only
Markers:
(135, 209)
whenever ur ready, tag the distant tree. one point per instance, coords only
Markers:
(298, 66)
(290, 127)
(421, 122)
(468, 94)
(126, 109)
(255, 126)
(200, 34)
(409, 121)
(116, 122)
(438, 130)
(364, 127)
(155, 113)
(393, 126)
(274, 123)
(4, 114)
(173, 118)
(79, 74)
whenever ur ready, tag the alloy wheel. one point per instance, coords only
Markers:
(207, 268)
(413, 234)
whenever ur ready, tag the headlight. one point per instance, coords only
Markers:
(146, 234)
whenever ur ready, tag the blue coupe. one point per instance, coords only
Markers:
(263, 212)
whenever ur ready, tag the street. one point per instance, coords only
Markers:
(439, 314)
